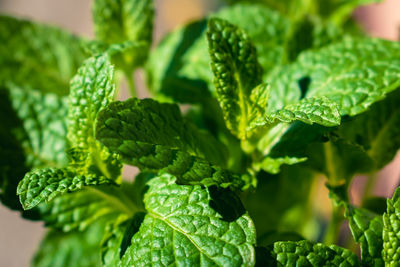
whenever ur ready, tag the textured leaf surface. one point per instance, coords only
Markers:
(191, 233)
(91, 89)
(180, 65)
(236, 72)
(391, 240)
(367, 228)
(154, 137)
(38, 56)
(33, 134)
(305, 253)
(354, 73)
(308, 110)
(45, 184)
(80, 249)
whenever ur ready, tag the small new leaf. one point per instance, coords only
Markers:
(236, 72)
(192, 233)
(45, 184)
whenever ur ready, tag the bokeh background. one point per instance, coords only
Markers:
(18, 237)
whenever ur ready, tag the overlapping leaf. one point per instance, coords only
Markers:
(179, 67)
(191, 233)
(91, 89)
(45, 184)
(154, 137)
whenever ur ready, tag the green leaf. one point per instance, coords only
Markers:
(354, 73)
(120, 21)
(236, 72)
(33, 134)
(307, 110)
(305, 253)
(92, 88)
(128, 23)
(45, 184)
(391, 248)
(367, 228)
(191, 232)
(179, 68)
(154, 137)
(273, 165)
(38, 56)
(377, 130)
(79, 210)
(80, 249)
(118, 238)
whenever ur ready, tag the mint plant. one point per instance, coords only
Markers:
(276, 94)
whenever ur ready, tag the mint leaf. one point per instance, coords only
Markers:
(75, 248)
(78, 210)
(367, 228)
(33, 133)
(391, 248)
(305, 253)
(45, 184)
(179, 67)
(354, 73)
(376, 130)
(236, 72)
(92, 88)
(308, 110)
(38, 56)
(128, 23)
(154, 137)
(192, 233)
(118, 238)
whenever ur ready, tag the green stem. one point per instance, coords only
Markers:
(369, 186)
(332, 234)
(131, 84)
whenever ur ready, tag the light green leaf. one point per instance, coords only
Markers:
(272, 165)
(78, 210)
(33, 131)
(80, 249)
(191, 233)
(127, 23)
(367, 228)
(308, 110)
(179, 68)
(45, 184)
(305, 253)
(91, 89)
(154, 137)
(391, 240)
(354, 73)
(37, 56)
(236, 72)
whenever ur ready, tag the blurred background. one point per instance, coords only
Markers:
(18, 237)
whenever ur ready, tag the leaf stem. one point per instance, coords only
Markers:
(333, 232)
(131, 84)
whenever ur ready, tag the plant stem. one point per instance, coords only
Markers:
(369, 186)
(131, 84)
(332, 234)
